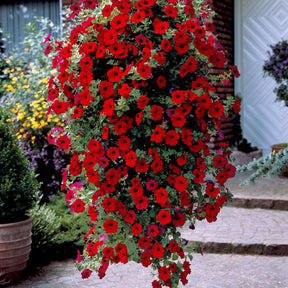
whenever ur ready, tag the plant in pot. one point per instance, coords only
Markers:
(276, 67)
(18, 188)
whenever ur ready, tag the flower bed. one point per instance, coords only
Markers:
(133, 83)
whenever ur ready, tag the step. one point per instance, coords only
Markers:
(242, 201)
(265, 193)
(242, 231)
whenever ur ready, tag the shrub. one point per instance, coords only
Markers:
(18, 185)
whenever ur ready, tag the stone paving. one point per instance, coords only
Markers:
(240, 230)
(208, 271)
(237, 230)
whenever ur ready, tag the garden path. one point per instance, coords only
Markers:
(253, 243)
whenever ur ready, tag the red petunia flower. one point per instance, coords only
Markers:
(160, 26)
(144, 242)
(178, 120)
(158, 134)
(108, 252)
(142, 102)
(182, 160)
(181, 183)
(198, 176)
(107, 10)
(216, 110)
(141, 203)
(136, 229)
(157, 165)
(137, 17)
(124, 90)
(171, 11)
(156, 112)
(178, 220)
(144, 70)
(161, 81)
(77, 112)
(157, 250)
(222, 177)
(78, 206)
(131, 159)
(211, 212)
(146, 259)
(182, 37)
(166, 45)
(161, 196)
(113, 153)
(130, 217)
(105, 132)
(235, 72)
(108, 107)
(151, 184)
(59, 107)
(119, 21)
(110, 226)
(164, 273)
(139, 117)
(115, 74)
(211, 191)
(112, 176)
(164, 217)
(136, 191)
(63, 142)
(181, 48)
(171, 138)
(219, 161)
(178, 96)
(184, 199)
(109, 204)
(86, 273)
(124, 143)
(142, 166)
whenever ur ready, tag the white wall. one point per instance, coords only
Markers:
(257, 25)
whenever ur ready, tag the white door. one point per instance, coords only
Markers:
(259, 24)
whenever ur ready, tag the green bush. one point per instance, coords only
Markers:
(74, 226)
(18, 185)
(45, 227)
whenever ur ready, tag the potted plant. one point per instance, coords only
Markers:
(276, 67)
(18, 188)
(135, 88)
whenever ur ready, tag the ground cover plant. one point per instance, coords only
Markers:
(135, 88)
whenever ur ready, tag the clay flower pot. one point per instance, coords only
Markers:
(15, 247)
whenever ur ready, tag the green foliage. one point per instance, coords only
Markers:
(74, 226)
(18, 185)
(45, 226)
(266, 166)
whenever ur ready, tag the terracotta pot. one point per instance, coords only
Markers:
(277, 148)
(15, 247)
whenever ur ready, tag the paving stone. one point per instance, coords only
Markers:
(252, 231)
(210, 270)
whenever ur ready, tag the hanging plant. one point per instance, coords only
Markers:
(134, 85)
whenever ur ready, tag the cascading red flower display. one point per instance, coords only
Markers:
(133, 83)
